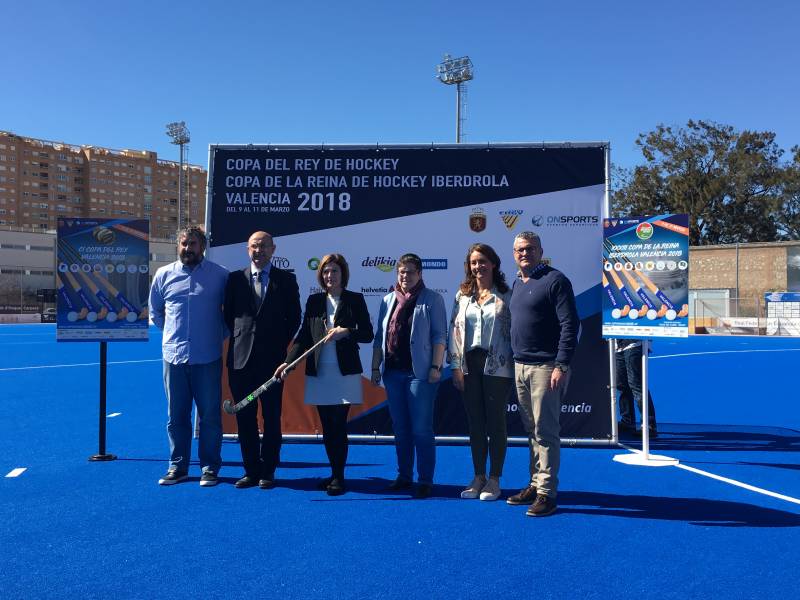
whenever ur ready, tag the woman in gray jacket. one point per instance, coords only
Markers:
(482, 365)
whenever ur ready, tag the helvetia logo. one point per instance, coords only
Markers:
(510, 217)
(382, 263)
(375, 290)
(477, 220)
(644, 231)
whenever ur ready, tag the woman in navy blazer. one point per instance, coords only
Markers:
(408, 353)
(333, 370)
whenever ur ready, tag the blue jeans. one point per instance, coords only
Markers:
(185, 382)
(411, 407)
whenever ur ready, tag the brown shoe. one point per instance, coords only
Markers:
(544, 506)
(525, 496)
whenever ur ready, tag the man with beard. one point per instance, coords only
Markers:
(186, 304)
(262, 311)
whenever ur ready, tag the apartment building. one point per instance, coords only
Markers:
(42, 180)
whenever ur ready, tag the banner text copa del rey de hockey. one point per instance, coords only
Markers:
(373, 204)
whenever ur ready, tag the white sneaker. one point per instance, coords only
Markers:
(491, 491)
(473, 490)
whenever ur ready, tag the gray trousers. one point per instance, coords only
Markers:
(540, 409)
(486, 402)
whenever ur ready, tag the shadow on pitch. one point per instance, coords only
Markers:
(695, 511)
(708, 438)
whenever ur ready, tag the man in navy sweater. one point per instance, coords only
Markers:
(544, 332)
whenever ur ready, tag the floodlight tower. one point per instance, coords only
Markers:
(456, 71)
(180, 137)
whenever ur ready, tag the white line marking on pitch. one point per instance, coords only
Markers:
(92, 364)
(740, 484)
(114, 415)
(16, 472)
(724, 352)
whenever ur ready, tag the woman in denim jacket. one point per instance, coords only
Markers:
(408, 353)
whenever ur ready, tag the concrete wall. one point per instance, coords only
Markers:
(762, 268)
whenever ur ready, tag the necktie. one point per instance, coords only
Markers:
(257, 288)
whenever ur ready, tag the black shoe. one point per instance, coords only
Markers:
(246, 482)
(399, 484)
(424, 490)
(172, 477)
(335, 487)
(209, 478)
(322, 484)
(525, 496)
(544, 506)
(266, 483)
(626, 428)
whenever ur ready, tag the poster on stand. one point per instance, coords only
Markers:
(102, 278)
(645, 275)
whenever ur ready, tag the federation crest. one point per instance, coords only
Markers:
(477, 220)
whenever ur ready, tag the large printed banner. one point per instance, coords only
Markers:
(646, 277)
(373, 204)
(102, 277)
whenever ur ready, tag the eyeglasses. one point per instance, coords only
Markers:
(526, 250)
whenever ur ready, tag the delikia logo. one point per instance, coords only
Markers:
(477, 220)
(510, 217)
(644, 231)
(382, 263)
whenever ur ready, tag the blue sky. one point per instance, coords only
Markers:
(112, 74)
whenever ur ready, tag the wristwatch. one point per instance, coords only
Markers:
(561, 367)
(437, 367)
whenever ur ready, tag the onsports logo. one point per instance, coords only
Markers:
(644, 231)
(382, 263)
(567, 220)
(477, 220)
(537, 220)
(313, 263)
(510, 217)
(434, 263)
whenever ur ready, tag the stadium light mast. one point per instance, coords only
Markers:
(457, 71)
(180, 137)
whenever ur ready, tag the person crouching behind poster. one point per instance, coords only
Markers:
(408, 353)
(333, 370)
(481, 361)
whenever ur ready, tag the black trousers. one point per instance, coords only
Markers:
(485, 400)
(334, 436)
(629, 384)
(260, 457)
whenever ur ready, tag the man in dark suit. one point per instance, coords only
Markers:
(262, 311)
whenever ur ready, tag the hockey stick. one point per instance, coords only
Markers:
(232, 409)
